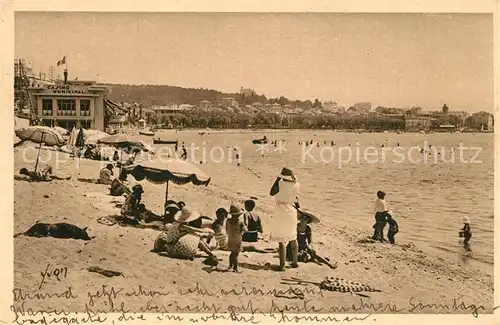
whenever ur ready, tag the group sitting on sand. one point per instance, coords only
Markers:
(186, 231)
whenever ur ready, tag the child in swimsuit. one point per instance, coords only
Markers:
(220, 234)
(466, 233)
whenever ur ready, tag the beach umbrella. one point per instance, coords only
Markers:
(72, 137)
(40, 134)
(94, 136)
(123, 141)
(165, 171)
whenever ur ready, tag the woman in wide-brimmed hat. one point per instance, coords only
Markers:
(182, 240)
(283, 226)
(171, 208)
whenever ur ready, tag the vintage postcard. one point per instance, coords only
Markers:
(282, 163)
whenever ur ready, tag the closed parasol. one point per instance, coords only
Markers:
(80, 139)
(40, 134)
(163, 171)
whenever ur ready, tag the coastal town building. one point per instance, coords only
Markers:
(161, 111)
(363, 107)
(70, 104)
(460, 115)
(418, 123)
(481, 120)
(275, 108)
(229, 102)
(445, 128)
(330, 106)
(205, 105)
(257, 106)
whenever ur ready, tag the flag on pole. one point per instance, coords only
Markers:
(63, 61)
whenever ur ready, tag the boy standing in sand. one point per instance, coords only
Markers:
(380, 217)
(234, 229)
(393, 228)
(466, 233)
(220, 234)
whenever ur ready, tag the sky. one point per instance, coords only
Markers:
(393, 60)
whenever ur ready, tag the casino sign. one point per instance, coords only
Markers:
(66, 89)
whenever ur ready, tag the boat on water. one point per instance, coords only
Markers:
(147, 132)
(260, 141)
(160, 141)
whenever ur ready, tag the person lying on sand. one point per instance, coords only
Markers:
(43, 175)
(252, 222)
(183, 241)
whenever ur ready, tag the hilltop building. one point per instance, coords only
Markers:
(247, 92)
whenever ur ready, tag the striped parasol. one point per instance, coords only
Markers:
(160, 171)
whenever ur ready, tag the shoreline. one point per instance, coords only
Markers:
(413, 268)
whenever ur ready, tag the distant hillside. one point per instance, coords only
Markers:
(149, 95)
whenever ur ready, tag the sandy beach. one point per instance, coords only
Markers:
(427, 265)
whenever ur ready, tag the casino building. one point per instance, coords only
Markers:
(72, 103)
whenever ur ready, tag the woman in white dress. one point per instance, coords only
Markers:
(284, 222)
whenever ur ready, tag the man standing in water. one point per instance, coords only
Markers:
(380, 217)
